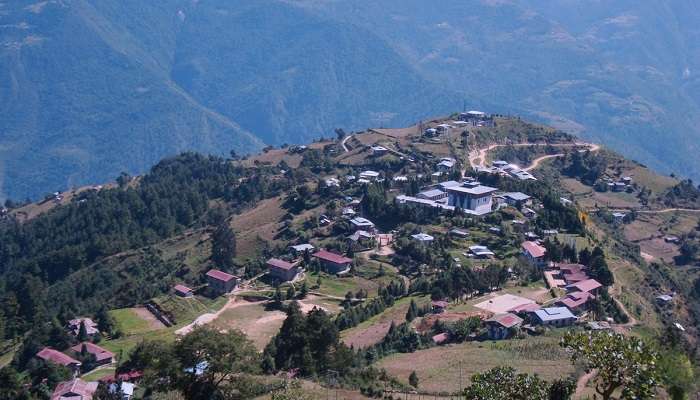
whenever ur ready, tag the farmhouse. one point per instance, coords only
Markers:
(481, 252)
(282, 270)
(439, 306)
(50, 355)
(362, 240)
(75, 389)
(577, 302)
(363, 224)
(591, 286)
(459, 232)
(333, 263)
(534, 253)
(300, 249)
(98, 355)
(220, 282)
(369, 175)
(501, 326)
(90, 326)
(517, 199)
(379, 150)
(423, 238)
(183, 291)
(446, 164)
(555, 316)
(432, 194)
(504, 303)
(471, 197)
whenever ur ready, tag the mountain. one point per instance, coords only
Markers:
(623, 72)
(90, 89)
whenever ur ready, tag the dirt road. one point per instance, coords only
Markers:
(480, 154)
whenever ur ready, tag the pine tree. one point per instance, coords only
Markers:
(304, 290)
(413, 379)
(223, 249)
(82, 332)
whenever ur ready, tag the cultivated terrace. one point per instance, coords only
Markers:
(472, 256)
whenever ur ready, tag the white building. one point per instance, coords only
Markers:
(369, 175)
(362, 224)
(473, 197)
(423, 238)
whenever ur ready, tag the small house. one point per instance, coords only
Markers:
(75, 389)
(618, 217)
(369, 175)
(378, 151)
(300, 249)
(591, 286)
(332, 182)
(282, 270)
(439, 306)
(502, 326)
(333, 263)
(97, 354)
(91, 328)
(441, 338)
(534, 253)
(481, 252)
(554, 316)
(362, 224)
(423, 238)
(517, 199)
(459, 233)
(432, 194)
(362, 240)
(49, 355)
(577, 302)
(220, 282)
(183, 291)
(125, 389)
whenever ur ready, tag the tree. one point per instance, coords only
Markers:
(291, 391)
(223, 248)
(304, 291)
(503, 383)
(413, 379)
(105, 322)
(624, 364)
(412, 312)
(82, 332)
(291, 293)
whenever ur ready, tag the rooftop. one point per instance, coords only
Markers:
(506, 320)
(477, 190)
(56, 357)
(332, 257)
(91, 348)
(517, 196)
(554, 314)
(75, 389)
(280, 264)
(534, 249)
(423, 237)
(220, 275)
(587, 285)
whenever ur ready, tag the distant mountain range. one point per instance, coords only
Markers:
(92, 88)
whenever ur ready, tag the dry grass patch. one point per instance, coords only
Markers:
(253, 320)
(439, 368)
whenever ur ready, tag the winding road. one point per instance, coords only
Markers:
(480, 154)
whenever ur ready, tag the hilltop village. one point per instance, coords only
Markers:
(430, 253)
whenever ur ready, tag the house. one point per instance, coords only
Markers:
(369, 175)
(523, 175)
(441, 338)
(362, 224)
(447, 184)
(333, 263)
(430, 132)
(423, 238)
(554, 316)
(672, 239)
(183, 291)
(529, 213)
(591, 286)
(98, 355)
(126, 389)
(459, 233)
(550, 232)
(481, 252)
(220, 282)
(332, 182)
(378, 151)
(446, 164)
(282, 270)
(501, 326)
(439, 306)
(400, 179)
(74, 389)
(362, 240)
(90, 327)
(300, 249)
(432, 194)
(618, 217)
(443, 129)
(534, 253)
(664, 299)
(565, 201)
(577, 302)
(50, 355)
(499, 163)
(517, 199)
(619, 186)
(471, 197)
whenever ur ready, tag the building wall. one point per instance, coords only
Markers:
(333, 268)
(284, 275)
(481, 204)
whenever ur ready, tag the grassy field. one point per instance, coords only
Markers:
(98, 374)
(442, 368)
(335, 286)
(131, 322)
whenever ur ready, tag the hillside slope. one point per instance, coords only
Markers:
(93, 89)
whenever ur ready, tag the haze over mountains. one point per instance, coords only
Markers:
(92, 88)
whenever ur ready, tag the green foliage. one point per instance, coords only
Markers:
(223, 246)
(413, 379)
(625, 364)
(201, 365)
(504, 383)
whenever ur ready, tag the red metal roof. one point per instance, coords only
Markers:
(441, 338)
(440, 304)
(534, 249)
(332, 257)
(526, 308)
(280, 264)
(76, 386)
(587, 285)
(99, 353)
(576, 299)
(56, 357)
(182, 289)
(220, 275)
(507, 320)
